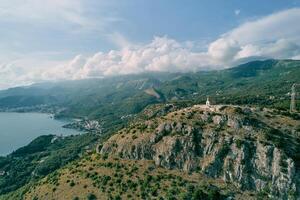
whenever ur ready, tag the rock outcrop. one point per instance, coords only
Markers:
(236, 144)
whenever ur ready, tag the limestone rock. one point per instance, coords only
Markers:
(221, 146)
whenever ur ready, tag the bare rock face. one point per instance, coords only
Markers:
(227, 145)
(259, 167)
(178, 151)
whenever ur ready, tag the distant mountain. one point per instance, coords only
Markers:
(263, 83)
(69, 92)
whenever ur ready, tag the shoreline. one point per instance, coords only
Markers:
(19, 131)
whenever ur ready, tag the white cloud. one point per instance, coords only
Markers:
(279, 25)
(23, 71)
(273, 36)
(162, 54)
(224, 50)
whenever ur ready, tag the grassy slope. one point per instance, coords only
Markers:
(113, 178)
(41, 157)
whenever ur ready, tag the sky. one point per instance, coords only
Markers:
(50, 40)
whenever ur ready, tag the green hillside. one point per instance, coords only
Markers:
(42, 156)
(263, 83)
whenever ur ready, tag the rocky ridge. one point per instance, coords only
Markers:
(256, 150)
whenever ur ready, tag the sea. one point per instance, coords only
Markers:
(19, 129)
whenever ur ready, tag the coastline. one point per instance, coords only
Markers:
(19, 130)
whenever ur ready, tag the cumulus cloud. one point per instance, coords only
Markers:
(224, 50)
(273, 36)
(161, 54)
(25, 71)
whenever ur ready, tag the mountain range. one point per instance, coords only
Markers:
(261, 83)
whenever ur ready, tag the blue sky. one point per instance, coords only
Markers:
(73, 39)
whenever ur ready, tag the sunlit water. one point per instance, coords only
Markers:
(18, 129)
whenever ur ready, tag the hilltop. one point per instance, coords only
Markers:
(256, 150)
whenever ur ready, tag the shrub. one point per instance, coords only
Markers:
(72, 183)
(239, 143)
(199, 194)
(91, 196)
(134, 137)
(105, 156)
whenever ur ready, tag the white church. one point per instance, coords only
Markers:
(207, 102)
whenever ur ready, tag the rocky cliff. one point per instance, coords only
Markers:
(255, 149)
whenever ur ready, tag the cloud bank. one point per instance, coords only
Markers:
(273, 36)
(161, 54)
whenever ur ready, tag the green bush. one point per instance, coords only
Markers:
(91, 196)
(238, 143)
(72, 184)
